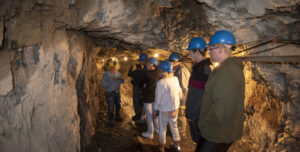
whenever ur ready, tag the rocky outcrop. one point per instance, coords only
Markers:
(1, 32)
(272, 99)
(255, 20)
(6, 79)
(89, 91)
(40, 111)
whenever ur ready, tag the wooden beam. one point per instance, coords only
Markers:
(286, 59)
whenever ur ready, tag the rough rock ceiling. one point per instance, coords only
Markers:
(255, 20)
(167, 24)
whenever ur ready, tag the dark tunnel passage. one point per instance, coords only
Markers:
(53, 56)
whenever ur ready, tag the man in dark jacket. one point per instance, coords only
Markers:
(200, 72)
(149, 81)
(222, 108)
(136, 72)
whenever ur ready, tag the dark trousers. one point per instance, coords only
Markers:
(137, 103)
(113, 100)
(206, 146)
(195, 132)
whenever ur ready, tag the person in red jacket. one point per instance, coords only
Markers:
(200, 72)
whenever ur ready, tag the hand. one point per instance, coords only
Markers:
(117, 78)
(133, 66)
(155, 114)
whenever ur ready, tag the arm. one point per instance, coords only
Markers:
(130, 72)
(184, 82)
(158, 96)
(105, 81)
(120, 77)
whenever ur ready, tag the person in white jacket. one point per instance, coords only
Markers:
(167, 101)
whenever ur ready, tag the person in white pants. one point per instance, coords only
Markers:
(167, 101)
(151, 76)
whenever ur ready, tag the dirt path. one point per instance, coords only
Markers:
(123, 136)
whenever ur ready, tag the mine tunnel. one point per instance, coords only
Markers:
(53, 55)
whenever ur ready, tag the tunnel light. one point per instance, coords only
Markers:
(216, 64)
(156, 55)
(125, 58)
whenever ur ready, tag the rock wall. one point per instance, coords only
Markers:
(272, 103)
(89, 91)
(40, 68)
(39, 97)
(272, 89)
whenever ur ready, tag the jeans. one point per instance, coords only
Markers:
(206, 146)
(137, 97)
(152, 123)
(113, 99)
(195, 132)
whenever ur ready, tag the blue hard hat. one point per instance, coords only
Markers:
(197, 43)
(222, 36)
(153, 61)
(166, 66)
(174, 57)
(143, 57)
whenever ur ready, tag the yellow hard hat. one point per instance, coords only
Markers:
(111, 64)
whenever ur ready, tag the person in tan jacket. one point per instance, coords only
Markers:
(222, 107)
(167, 100)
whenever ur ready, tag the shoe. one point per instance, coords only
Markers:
(175, 147)
(135, 118)
(119, 119)
(147, 135)
(110, 124)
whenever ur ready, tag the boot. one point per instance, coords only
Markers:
(175, 146)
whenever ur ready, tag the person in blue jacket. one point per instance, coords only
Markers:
(111, 81)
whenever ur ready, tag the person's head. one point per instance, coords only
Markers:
(143, 58)
(111, 65)
(221, 45)
(151, 63)
(165, 68)
(197, 49)
(174, 59)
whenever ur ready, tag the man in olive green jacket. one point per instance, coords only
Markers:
(222, 107)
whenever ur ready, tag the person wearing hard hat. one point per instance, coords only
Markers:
(111, 81)
(200, 72)
(166, 105)
(151, 76)
(136, 72)
(222, 107)
(183, 75)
